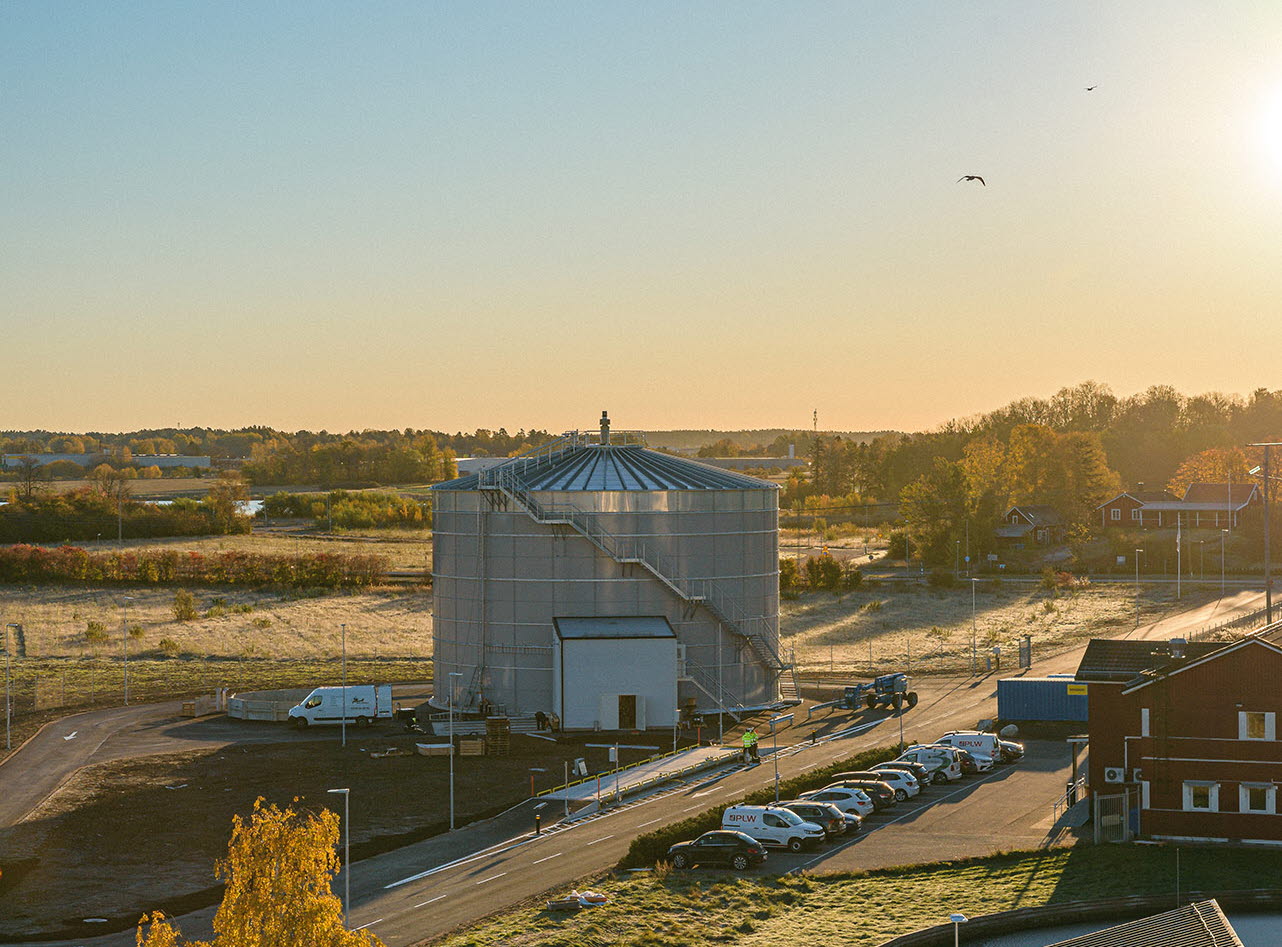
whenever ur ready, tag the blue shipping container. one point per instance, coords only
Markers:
(1041, 698)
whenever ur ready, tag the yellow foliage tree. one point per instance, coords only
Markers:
(278, 871)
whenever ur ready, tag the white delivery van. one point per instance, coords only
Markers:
(941, 761)
(979, 744)
(773, 825)
(360, 704)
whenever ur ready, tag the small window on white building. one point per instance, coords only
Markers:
(1257, 725)
(1144, 722)
(1115, 514)
(1201, 796)
(1257, 797)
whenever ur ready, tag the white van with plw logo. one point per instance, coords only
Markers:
(773, 825)
(979, 744)
(942, 762)
(361, 704)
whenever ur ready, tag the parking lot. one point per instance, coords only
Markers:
(1005, 808)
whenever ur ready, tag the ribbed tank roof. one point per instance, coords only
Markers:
(612, 467)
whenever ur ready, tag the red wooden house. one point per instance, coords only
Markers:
(1191, 731)
(1203, 505)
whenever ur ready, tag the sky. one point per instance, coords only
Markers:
(696, 215)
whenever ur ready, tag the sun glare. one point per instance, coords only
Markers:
(1270, 132)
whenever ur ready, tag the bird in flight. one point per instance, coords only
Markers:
(1091, 88)
(971, 177)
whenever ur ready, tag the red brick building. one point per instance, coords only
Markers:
(1191, 730)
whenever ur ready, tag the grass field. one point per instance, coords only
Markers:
(875, 626)
(690, 909)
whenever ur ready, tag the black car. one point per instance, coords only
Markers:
(1010, 750)
(734, 849)
(881, 794)
(968, 764)
(827, 817)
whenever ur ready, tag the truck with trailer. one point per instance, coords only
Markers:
(359, 704)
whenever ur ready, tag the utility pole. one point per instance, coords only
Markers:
(1268, 565)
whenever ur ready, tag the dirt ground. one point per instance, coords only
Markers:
(901, 624)
(125, 837)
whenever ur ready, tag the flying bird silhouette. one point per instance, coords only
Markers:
(971, 177)
(1091, 88)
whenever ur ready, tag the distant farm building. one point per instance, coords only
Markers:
(1041, 525)
(607, 583)
(1203, 504)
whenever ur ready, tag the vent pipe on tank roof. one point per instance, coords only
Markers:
(605, 429)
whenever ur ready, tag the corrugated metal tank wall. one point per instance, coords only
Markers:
(535, 572)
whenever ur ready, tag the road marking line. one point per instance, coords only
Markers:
(549, 858)
(492, 877)
(595, 840)
(651, 822)
(698, 805)
(439, 897)
(370, 924)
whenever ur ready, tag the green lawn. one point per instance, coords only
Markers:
(676, 909)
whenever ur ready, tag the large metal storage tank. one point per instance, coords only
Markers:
(602, 527)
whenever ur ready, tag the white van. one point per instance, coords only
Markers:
(360, 704)
(979, 744)
(773, 825)
(941, 761)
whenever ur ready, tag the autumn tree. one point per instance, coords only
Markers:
(278, 871)
(1211, 466)
(225, 495)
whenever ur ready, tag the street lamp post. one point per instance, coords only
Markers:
(344, 720)
(124, 620)
(1223, 533)
(452, 675)
(347, 852)
(1268, 567)
(8, 712)
(1137, 587)
(974, 631)
(958, 920)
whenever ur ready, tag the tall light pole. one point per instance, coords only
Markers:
(1137, 586)
(347, 852)
(1223, 533)
(124, 619)
(8, 712)
(974, 631)
(958, 920)
(1268, 567)
(453, 674)
(344, 720)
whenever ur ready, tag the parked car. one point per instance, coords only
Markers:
(881, 793)
(735, 849)
(847, 799)
(825, 815)
(972, 764)
(902, 782)
(1011, 751)
(916, 770)
(773, 825)
(943, 762)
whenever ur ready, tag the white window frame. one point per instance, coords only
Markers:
(1270, 724)
(1144, 722)
(1213, 796)
(1115, 514)
(1135, 513)
(1244, 798)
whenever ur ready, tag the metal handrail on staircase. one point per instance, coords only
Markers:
(708, 683)
(756, 630)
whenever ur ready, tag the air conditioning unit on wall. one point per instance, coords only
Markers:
(1114, 774)
(1137, 775)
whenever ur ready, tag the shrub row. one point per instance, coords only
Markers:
(367, 510)
(653, 846)
(168, 567)
(85, 514)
